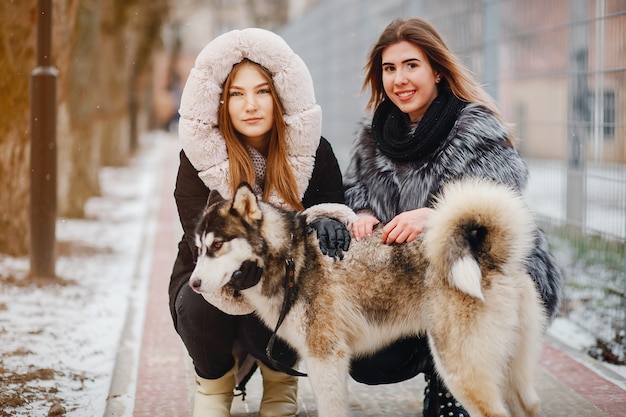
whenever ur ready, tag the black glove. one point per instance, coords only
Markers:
(333, 236)
(248, 275)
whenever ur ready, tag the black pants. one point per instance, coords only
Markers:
(209, 334)
(402, 360)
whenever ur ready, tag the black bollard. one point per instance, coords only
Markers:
(43, 152)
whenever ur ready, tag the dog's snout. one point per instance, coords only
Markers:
(195, 283)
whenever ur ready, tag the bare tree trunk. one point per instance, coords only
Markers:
(17, 60)
(113, 121)
(79, 152)
(151, 15)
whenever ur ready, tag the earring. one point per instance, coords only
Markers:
(437, 79)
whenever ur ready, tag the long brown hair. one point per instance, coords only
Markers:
(279, 175)
(454, 75)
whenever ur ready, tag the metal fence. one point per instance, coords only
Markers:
(558, 70)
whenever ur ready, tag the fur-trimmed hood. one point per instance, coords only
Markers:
(199, 134)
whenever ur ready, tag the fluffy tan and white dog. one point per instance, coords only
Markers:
(463, 282)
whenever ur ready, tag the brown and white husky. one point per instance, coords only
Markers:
(463, 283)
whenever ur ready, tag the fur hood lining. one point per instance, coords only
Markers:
(199, 134)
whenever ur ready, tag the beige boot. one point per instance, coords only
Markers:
(280, 392)
(214, 397)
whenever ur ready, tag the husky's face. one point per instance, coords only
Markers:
(224, 240)
(218, 258)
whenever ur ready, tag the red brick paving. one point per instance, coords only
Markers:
(161, 382)
(599, 391)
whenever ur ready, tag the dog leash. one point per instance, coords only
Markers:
(288, 301)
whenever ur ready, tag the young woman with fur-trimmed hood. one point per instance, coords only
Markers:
(248, 113)
(432, 123)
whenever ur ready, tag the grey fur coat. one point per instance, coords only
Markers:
(476, 146)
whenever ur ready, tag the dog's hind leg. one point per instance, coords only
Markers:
(479, 399)
(474, 380)
(522, 397)
(483, 400)
(329, 380)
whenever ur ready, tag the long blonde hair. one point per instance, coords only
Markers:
(279, 175)
(454, 75)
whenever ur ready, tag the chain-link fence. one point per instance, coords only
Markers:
(558, 70)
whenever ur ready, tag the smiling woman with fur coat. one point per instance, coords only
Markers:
(432, 124)
(248, 112)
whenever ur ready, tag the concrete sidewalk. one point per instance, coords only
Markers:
(570, 384)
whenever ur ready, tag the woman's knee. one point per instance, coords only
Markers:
(190, 306)
(206, 332)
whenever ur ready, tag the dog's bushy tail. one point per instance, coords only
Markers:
(478, 226)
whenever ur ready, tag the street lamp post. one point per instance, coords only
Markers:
(43, 152)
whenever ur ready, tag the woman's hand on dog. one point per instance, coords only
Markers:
(364, 224)
(333, 236)
(406, 226)
(248, 275)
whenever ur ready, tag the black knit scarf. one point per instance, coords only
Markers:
(391, 128)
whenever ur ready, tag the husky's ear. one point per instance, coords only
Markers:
(214, 197)
(245, 203)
